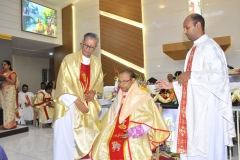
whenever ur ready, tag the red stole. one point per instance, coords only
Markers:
(182, 126)
(28, 100)
(116, 144)
(85, 81)
(45, 107)
(85, 77)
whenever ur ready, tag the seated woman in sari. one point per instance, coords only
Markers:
(8, 90)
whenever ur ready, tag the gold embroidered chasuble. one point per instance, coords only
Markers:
(141, 109)
(45, 112)
(86, 126)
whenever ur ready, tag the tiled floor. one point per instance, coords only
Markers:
(37, 144)
(235, 152)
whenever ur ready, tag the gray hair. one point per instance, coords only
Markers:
(91, 36)
(130, 72)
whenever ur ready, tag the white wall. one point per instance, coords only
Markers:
(10, 21)
(29, 70)
(86, 20)
(163, 25)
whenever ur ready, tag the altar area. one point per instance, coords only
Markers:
(167, 110)
(168, 107)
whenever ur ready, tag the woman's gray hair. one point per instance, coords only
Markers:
(91, 36)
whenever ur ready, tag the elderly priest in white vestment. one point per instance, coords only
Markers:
(205, 125)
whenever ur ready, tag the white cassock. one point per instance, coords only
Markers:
(210, 124)
(63, 127)
(25, 111)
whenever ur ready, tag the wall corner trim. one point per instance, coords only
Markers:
(5, 36)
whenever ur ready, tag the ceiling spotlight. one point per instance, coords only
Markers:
(51, 54)
(162, 6)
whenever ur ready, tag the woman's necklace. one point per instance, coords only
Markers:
(5, 73)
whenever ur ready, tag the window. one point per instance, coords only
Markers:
(45, 75)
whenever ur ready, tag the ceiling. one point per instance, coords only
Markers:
(60, 3)
(32, 48)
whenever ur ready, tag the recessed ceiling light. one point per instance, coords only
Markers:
(51, 54)
(162, 6)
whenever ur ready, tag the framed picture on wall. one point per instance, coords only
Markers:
(38, 19)
(195, 6)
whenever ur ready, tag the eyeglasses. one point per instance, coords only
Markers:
(124, 81)
(87, 46)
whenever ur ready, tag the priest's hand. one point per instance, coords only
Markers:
(49, 104)
(184, 77)
(90, 95)
(163, 84)
(125, 135)
(81, 106)
(27, 104)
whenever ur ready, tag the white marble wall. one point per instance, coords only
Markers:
(10, 21)
(86, 20)
(163, 20)
(29, 70)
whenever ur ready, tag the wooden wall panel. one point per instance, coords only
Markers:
(108, 65)
(130, 9)
(67, 38)
(122, 40)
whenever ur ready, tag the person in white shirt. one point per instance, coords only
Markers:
(25, 103)
(53, 87)
(43, 85)
(205, 125)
